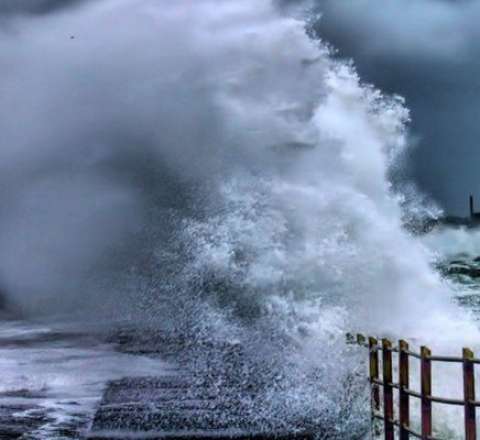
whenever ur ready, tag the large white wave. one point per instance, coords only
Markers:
(216, 169)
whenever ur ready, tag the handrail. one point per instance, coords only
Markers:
(385, 381)
(381, 383)
(406, 428)
(397, 349)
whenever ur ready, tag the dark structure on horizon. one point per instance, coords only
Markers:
(474, 216)
(472, 221)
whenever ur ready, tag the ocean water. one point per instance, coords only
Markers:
(456, 255)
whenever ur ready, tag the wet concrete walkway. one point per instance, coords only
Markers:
(196, 397)
(59, 385)
(178, 407)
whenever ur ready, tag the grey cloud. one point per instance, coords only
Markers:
(8, 7)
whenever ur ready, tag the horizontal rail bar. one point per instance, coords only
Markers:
(412, 393)
(382, 383)
(445, 359)
(413, 354)
(407, 428)
(452, 359)
(410, 430)
(377, 416)
(446, 400)
(379, 348)
(436, 399)
(413, 432)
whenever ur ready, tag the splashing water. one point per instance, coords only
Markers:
(210, 169)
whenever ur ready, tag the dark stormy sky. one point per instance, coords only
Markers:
(429, 52)
(425, 50)
(10, 7)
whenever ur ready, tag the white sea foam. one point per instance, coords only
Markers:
(451, 242)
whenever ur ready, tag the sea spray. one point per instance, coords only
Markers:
(210, 170)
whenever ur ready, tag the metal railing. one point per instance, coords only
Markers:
(386, 382)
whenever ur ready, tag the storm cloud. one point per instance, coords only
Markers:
(428, 52)
(31, 7)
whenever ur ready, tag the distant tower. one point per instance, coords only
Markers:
(472, 212)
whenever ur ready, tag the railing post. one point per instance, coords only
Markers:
(469, 394)
(387, 390)
(374, 374)
(404, 384)
(426, 388)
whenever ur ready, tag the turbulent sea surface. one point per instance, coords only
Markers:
(457, 258)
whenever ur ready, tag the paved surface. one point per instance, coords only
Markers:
(202, 392)
(15, 420)
(177, 407)
(215, 397)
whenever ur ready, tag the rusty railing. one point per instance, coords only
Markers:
(386, 382)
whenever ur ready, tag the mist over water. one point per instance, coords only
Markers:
(208, 169)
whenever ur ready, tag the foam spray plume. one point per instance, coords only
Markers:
(209, 169)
